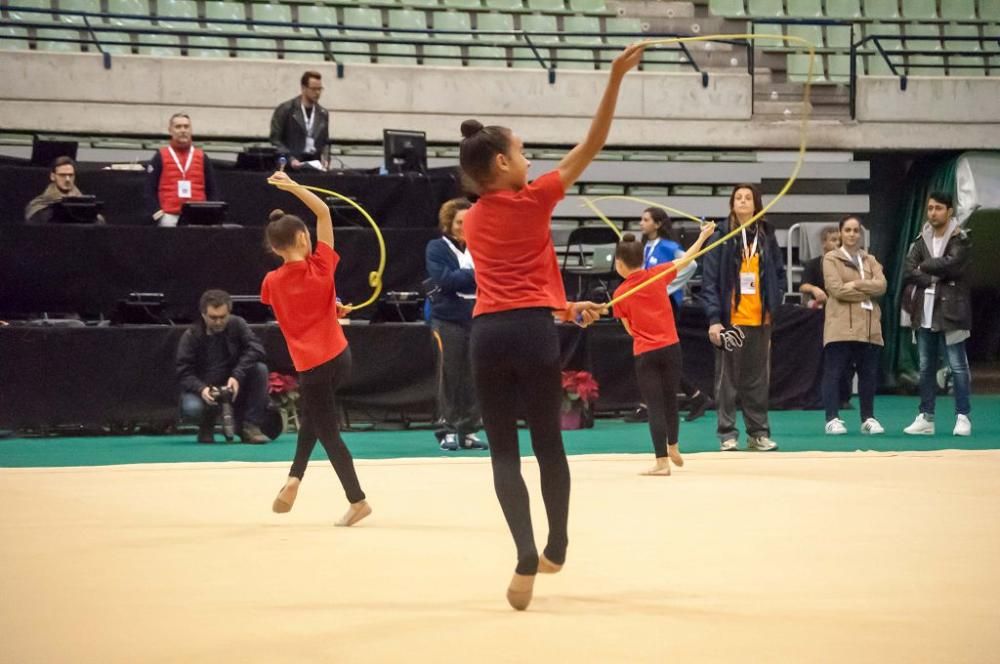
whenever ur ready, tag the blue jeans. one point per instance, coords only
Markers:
(929, 348)
(250, 405)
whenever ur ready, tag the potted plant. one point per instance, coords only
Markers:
(284, 391)
(580, 390)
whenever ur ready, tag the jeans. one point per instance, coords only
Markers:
(250, 405)
(929, 345)
(838, 357)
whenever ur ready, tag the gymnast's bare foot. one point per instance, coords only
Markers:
(355, 513)
(674, 452)
(286, 497)
(661, 469)
(520, 590)
(546, 566)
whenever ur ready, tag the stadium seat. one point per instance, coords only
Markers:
(225, 11)
(798, 68)
(839, 36)
(13, 38)
(116, 43)
(588, 6)
(443, 55)
(273, 13)
(168, 11)
(765, 8)
(961, 30)
(989, 10)
(498, 22)
(524, 58)
(462, 4)
(884, 29)
(535, 25)
(44, 16)
(408, 19)
(632, 26)
(843, 8)
(589, 24)
(925, 65)
(452, 20)
(396, 54)
(921, 10)
(727, 8)
(138, 9)
(922, 30)
(549, 6)
(877, 66)
(504, 5)
(881, 9)
(958, 10)
(805, 8)
(263, 49)
(317, 15)
(811, 33)
(838, 67)
(87, 6)
(351, 51)
(419, 3)
(966, 65)
(160, 46)
(207, 46)
(487, 56)
(665, 61)
(45, 35)
(575, 58)
(304, 51)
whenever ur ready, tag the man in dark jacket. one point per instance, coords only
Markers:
(220, 350)
(937, 298)
(300, 127)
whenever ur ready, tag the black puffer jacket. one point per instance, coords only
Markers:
(952, 302)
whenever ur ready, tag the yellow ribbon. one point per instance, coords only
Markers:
(374, 278)
(788, 184)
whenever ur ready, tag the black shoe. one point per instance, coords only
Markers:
(699, 405)
(206, 434)
(252, 435)
(640, 414)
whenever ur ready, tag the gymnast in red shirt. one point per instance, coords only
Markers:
(303, 296)
(648, 317)
(514, 343)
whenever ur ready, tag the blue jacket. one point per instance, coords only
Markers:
(449, 280)
(720, 276)
(665, 251)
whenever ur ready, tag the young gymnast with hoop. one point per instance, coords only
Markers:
(647, 316)
(515, 346)
(303, 296)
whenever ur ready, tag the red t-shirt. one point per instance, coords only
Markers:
(304, 300)
(510, 237)
(648, 311)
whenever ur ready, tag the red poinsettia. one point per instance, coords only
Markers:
(579, 385)
(281, 383)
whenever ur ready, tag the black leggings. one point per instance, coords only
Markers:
(659, 372)
(515, 365)
(320, 419)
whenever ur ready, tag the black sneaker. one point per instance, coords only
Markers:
(206, 434)
(699, 405)
(640, 414)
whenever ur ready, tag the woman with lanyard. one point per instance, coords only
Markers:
(852, 331)
(659, 248)
(742, 283)
(515, 344)
(453, 278)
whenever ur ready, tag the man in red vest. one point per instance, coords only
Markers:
(178, 173)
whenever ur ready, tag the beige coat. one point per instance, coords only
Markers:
(846, 319)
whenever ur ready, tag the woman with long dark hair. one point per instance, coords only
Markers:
(742, 284)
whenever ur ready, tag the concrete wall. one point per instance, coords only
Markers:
(234, 98)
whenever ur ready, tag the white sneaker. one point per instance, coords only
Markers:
(871, 427)
(729, 445)
(761, 444)
(920, 427)
(963, 427)
(836, 427)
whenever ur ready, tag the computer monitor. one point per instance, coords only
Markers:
(76, 210)
(405, 151)
(251, 309)
(44, 152)
(258, 158)
(203, 213)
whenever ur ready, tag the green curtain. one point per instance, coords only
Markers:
(899, 358)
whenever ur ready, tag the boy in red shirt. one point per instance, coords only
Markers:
(514, 344)
(304, 299)
(647, 316)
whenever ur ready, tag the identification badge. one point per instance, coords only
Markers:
(184, 189)
(867, 305)
(748, 283)
(653, 260)
(310, 144)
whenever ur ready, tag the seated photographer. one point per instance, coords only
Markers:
(62, 183)
(219, 358)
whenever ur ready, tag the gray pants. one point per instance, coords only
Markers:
(458, 408)
(744, 374)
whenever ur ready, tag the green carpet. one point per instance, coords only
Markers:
(795, 431)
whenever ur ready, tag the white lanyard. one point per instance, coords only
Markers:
(309, 119)
(751, 252)
(861, 265)
(649, 249)
(185, 167)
